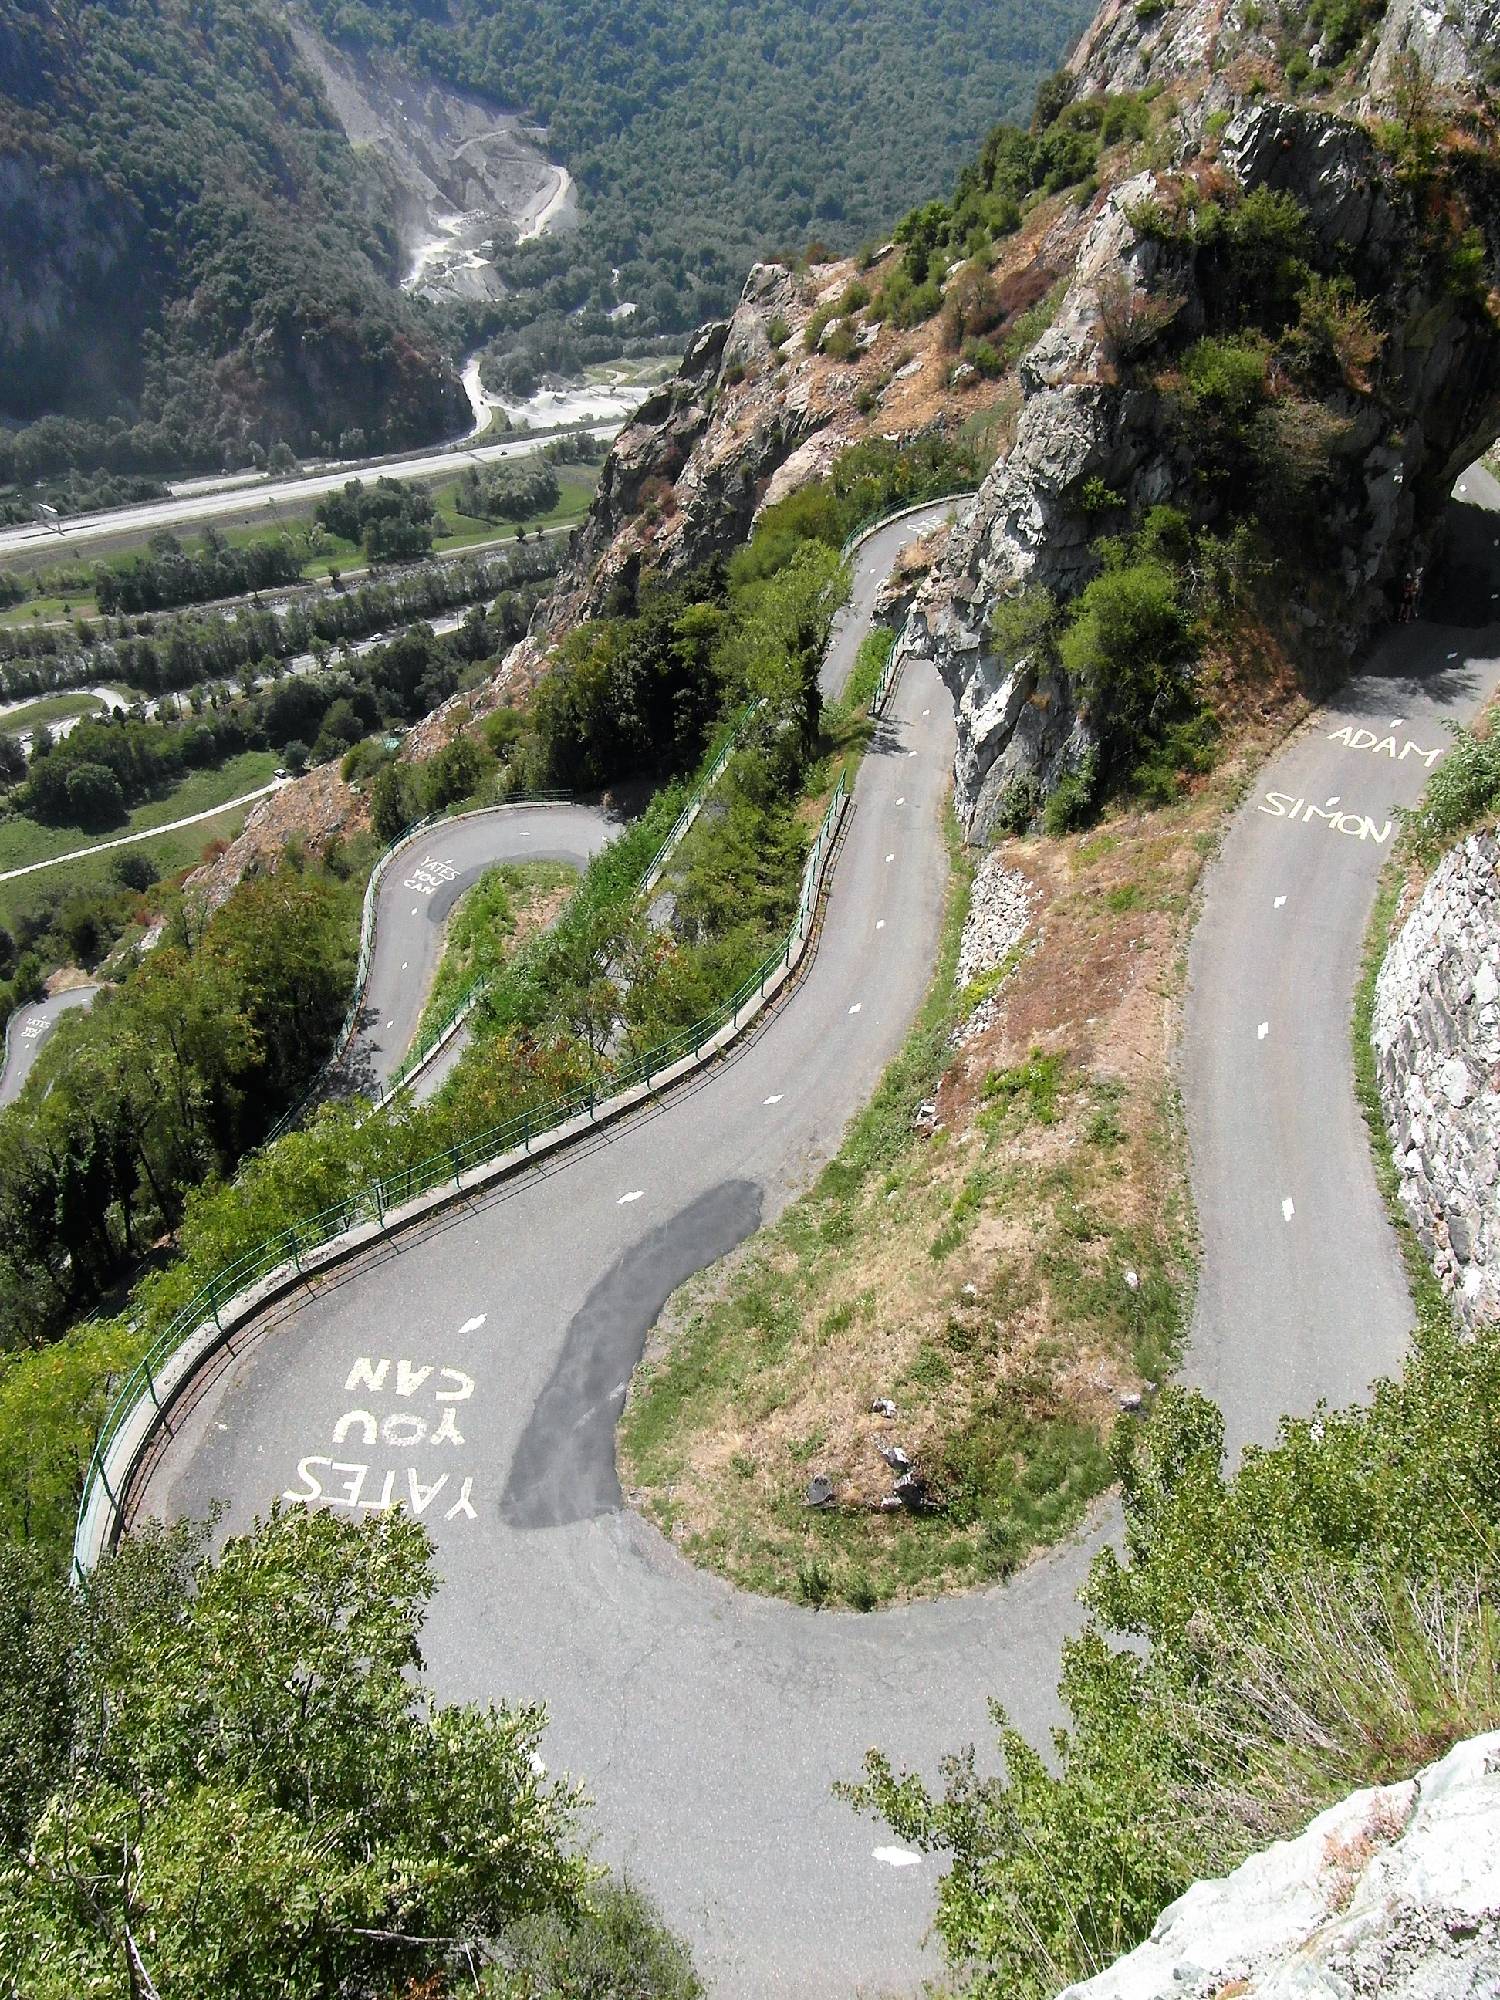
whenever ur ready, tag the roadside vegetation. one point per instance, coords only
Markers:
(496, 917)
(231, 1774)
(366, 524)
(1263, 1646)
(1001, 1249)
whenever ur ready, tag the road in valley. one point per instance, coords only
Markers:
(477, 1375)
(184, 508)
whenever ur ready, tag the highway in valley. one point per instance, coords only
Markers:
(195, 504)
(475, 1373)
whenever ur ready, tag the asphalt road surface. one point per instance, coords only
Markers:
(28, 1029)
(477, 1374)
(417, 895)
(1301, 1291)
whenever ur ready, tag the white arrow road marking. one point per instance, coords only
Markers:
(1262, 1031)
(1278, 902)
(896, 1857)
(777, 1098)
(473, 1325)
(1288, 1209)
(634, 1195)
(855, 1008)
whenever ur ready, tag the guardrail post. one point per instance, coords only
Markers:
(526, 1129)
(378, 1192)
(151, 1385)
(457, 1169)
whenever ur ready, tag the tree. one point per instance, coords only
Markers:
(243, 1785)
(95, 797)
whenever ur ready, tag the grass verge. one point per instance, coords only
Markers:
(1007, 1270)
(24, 841)
(506, 906)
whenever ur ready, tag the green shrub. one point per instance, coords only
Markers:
(1322, 1621)
(1463, 792)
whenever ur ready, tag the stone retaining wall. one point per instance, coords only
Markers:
(1437, 1048)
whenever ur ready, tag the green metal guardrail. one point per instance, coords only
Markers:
(99, 1511)
(285, 1249)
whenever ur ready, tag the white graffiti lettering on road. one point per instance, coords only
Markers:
(416, 1498)
(1383, 746)
(331, 1482)
(429, 875)
(1359, 826)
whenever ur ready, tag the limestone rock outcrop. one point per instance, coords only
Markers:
(1395, 1891)
(1436, 1033)
(1092, 423)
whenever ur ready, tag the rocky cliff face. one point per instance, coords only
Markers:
(1437, 1044)
(1098, 412)
(1395, 1892)
(751, 415)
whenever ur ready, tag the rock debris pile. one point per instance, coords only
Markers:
(999, 911)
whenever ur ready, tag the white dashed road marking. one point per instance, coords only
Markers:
(1288, 1209)
(634, 1195)
(404, 963)
(855, 1008)
(1262, 1031)
(473, 1325)
(896, 1857)
(890, 857)
(880, 924)
(777, 1098)
(1278, 902)
(901, 802)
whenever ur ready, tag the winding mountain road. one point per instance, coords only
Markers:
(477, 1374)
(27, 1029)
(423, 881)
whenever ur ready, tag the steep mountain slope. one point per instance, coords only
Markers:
(191, 257)
(1227, 306)
(705, 137)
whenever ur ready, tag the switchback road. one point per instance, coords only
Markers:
(422, 883)
(26, 1031)
(476, 1375)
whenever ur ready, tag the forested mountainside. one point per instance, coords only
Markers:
(191, 255)
(703, 137)
(194, 258)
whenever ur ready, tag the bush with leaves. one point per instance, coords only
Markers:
(1325, 1619)
(229, 1775)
